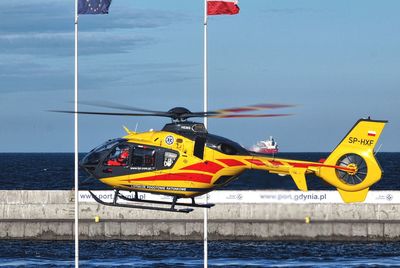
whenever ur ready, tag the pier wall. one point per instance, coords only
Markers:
(50, 215)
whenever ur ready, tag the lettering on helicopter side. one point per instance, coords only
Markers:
(142, 168)
(151, 187)
(366, 142)
(169, 140)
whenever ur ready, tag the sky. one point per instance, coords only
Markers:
(336, 61)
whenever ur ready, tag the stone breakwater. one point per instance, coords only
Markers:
(50, 215)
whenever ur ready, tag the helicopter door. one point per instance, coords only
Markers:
(143, 158)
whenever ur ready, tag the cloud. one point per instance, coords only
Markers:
(23, 75)
(36, 16)
(50, 16)
(46, 28)
(131, 19)
(132, 75)
(37, 47)
(62, 44)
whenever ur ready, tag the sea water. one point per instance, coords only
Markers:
(190, 254)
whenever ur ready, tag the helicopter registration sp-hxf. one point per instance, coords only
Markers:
(183, 160)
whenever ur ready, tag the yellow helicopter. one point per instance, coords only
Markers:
(183, 160)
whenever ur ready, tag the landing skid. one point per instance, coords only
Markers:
(174, 203)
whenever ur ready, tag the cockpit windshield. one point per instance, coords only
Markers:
(98, 153)
(107, 145)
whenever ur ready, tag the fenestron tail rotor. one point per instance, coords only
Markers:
(359, 166)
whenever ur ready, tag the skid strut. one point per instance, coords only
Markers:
(172, 204)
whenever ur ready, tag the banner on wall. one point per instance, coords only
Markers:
(285, 197)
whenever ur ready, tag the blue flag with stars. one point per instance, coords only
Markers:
(93, 6)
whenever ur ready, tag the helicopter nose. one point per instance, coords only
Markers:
(91, 159)
(94, 159)
(90, 162)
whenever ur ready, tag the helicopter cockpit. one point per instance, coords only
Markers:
(118, 157)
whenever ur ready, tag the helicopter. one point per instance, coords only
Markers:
(184, 160)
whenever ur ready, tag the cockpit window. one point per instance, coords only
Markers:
(143, 157)
(119, 156)
(107, 145)
(225, 145)
(227, 149)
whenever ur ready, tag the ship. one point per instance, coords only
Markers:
(268, 146)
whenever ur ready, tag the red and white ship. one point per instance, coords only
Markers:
(269, 146)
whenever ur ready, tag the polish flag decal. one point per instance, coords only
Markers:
(371, 133)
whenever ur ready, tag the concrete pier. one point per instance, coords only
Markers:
(50, 215)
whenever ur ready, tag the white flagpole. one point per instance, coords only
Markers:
(205, 231)
(76, 174)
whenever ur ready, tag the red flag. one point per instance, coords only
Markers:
(222, 7)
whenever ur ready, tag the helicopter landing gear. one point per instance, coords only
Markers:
(172, 204)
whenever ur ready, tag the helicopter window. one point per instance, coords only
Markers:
(119, 156)
(107, 145)
(227, 149)
(169, 159)
(199, 128)
(143, 157)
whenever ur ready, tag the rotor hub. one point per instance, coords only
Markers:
(353, 169)
(179, 113)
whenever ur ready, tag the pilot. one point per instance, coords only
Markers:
(123, 157)
(121, 160)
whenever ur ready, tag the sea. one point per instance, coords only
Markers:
(54, 171)
(190, 254)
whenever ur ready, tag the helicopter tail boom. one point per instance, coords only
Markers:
(351, 167)
(355, 167)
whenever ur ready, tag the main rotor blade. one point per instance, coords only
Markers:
(257, 107)
(117, 114)
(249, 108)
(181, 113)
(246, 115)
(113, 105)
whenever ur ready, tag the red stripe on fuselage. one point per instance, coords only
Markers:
(306, 165)
(176, 177)
(231, 162)
(256, 162)
(206, 166)
(275, 163)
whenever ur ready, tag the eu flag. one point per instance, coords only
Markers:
(93, 6)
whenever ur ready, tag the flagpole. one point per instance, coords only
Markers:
(205, 231)
(76, 173)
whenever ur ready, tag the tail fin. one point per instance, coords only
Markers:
(356, 167)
